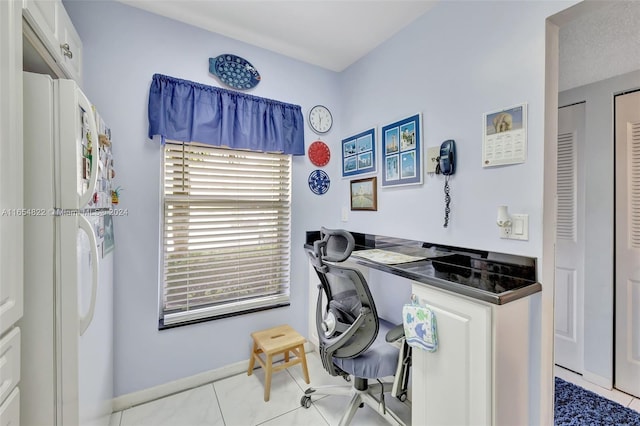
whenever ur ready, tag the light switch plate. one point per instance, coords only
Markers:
(432, 156)
(520, 227)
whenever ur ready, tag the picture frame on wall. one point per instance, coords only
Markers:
(359, 154)
(402, 152)
(364, 194)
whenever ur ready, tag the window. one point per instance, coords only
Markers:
(226, 232)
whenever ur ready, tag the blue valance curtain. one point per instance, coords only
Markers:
(186, 111)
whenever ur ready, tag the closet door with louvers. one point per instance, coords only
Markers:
(569, 270)
(627, 320)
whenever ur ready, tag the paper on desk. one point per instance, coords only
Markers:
(386, 257)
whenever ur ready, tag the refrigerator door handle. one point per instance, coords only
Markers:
(85, 320)
(95, 147)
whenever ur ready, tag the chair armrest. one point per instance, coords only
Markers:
(396, 333)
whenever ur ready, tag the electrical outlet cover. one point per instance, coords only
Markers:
(432, 155)
(505, 232)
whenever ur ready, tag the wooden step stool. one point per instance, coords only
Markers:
(274, 341)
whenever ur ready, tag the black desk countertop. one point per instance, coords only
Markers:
(492, 277)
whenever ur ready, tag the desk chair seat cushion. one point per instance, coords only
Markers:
(380, 360)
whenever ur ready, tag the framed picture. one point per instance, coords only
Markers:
(359, 154)
(402, 152)
(364, 194)
(504, 136)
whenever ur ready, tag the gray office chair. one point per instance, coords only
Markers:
(351, 341)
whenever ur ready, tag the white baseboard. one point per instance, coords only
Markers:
(129, 400)
(132, 399)
(601, 381)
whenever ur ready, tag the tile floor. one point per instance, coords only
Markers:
(238, 401)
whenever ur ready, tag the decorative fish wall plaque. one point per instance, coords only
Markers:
(234, 71)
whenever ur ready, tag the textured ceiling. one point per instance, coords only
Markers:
(601, 44)
(332, 34)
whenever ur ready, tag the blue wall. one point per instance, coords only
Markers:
(458, 61)
(453, 64)
(123, 48)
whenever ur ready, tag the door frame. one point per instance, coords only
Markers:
(549, 204)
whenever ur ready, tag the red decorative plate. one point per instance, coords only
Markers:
(319, 153)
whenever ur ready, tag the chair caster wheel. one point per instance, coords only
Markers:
(305, 401)
(402, 397)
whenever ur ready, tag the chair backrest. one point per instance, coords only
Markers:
(346, 317)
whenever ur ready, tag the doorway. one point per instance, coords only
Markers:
(587, 259)
(611, 54)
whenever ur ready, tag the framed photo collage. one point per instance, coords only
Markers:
(401, 159)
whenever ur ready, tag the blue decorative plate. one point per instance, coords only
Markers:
(234, 71)
(319, 182)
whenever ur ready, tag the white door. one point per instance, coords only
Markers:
(569, 269)
(627, 140)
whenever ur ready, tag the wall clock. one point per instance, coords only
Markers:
(319, 182)
(320, 119)
(319, 153)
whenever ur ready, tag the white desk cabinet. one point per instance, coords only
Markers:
(479, 374)
(51, 24)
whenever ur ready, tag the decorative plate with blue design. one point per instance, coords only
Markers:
(234, 71)
(319, 182)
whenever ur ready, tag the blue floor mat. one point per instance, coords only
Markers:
(577, 406)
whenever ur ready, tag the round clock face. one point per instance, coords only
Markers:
(319, 182)
(319, 153)
(320, 119)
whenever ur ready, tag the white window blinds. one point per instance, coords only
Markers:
(226, 231)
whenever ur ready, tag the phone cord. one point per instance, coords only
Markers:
(447, 201)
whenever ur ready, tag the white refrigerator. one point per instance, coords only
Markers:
(67, 327)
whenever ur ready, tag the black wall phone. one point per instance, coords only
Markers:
(447, 167)
(447, 159)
